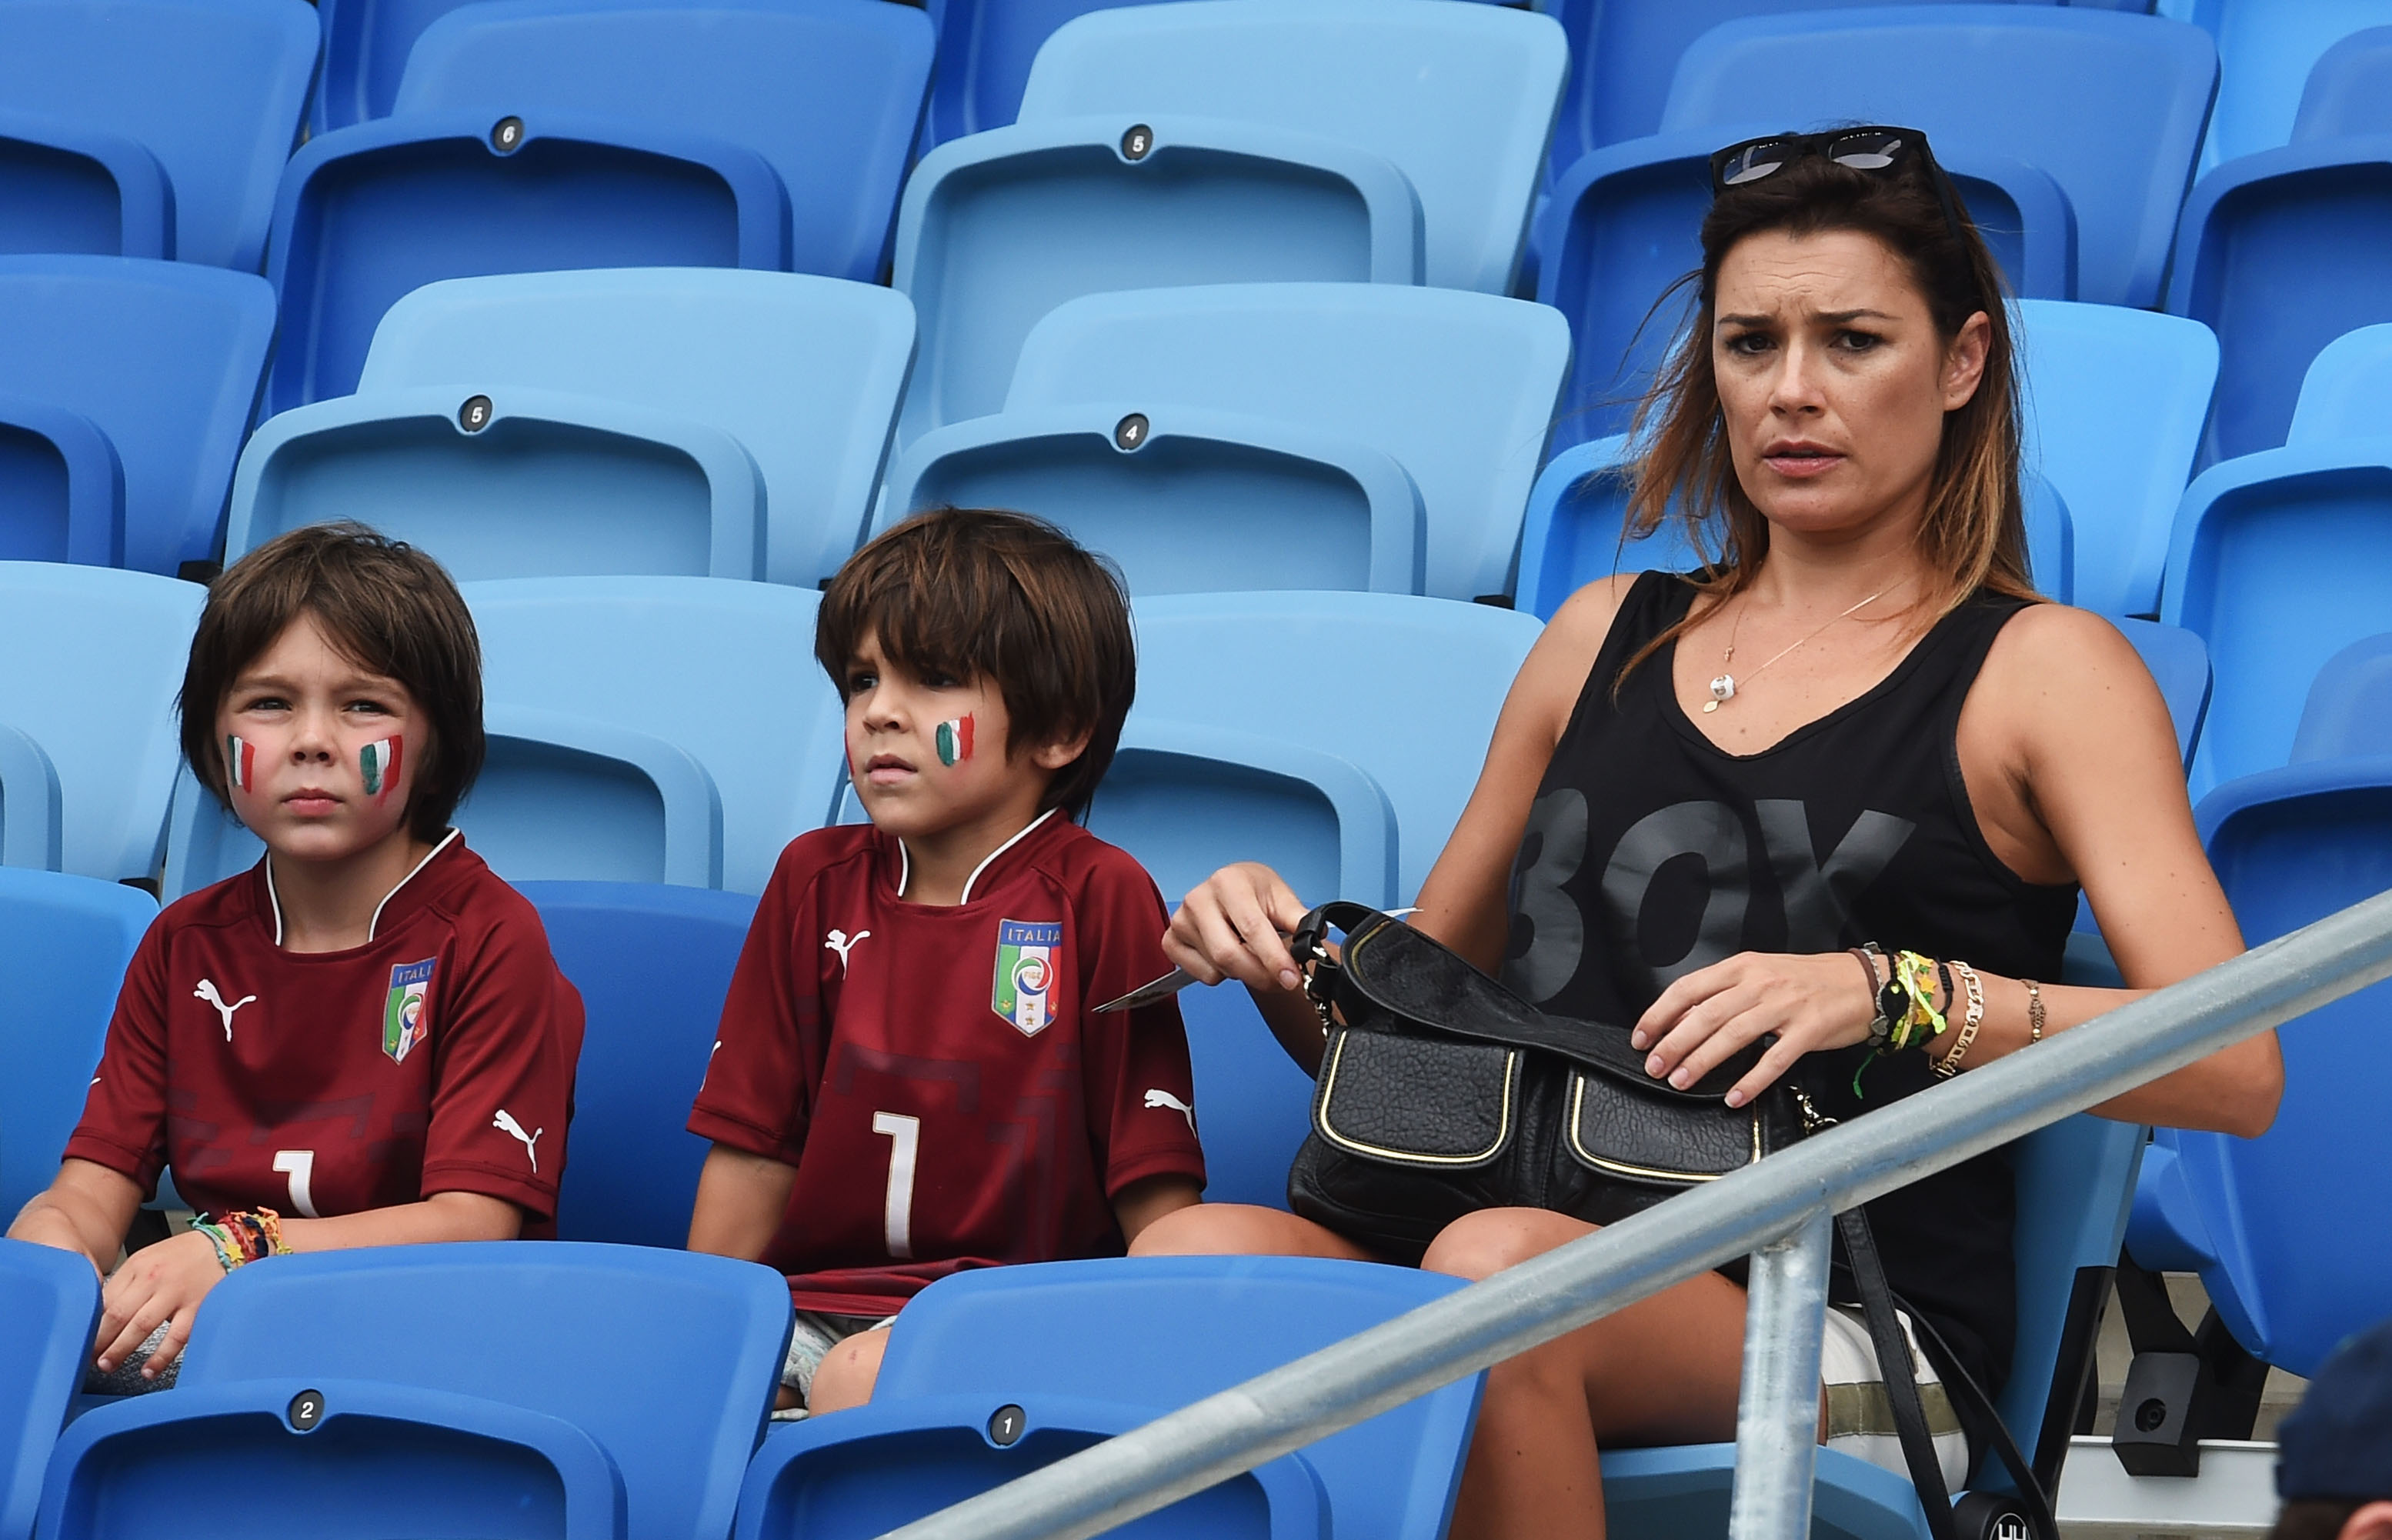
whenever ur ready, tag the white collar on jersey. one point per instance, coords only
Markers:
(906, 858)
(375, 924)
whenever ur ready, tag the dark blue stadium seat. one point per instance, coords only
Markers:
(2349, 709)
(829, 92)
(49, 1305)
(652, 964)
(210, 90)
(2344, 392)
(2268, 50)
(366, 43)
(62, 488)
(1153, 1333)
(2346, 94)
(508, 1388)
(162, 358)
(1457, 387)
(805, 372)
(2111, 105)
(368, 213)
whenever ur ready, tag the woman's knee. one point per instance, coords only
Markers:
(1482, 1243)
(1234, 1230)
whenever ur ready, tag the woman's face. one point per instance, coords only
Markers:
(1833, 380)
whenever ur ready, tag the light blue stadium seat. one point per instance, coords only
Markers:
(652, 964)
(724, 671)
(1458, 387)
(1183, 499)
(1156, 1333)
(2268, 51)
(163, 359)
(2346, 388)
(998, 229)
(509, 482)
(1579, 508)
(49, 1306)
(805, 372)
(2345, 92)
(827, 91)
(1461, 98)
(64, 944)
(2278, 560)
(2111, 105)
(469, 1388)
(1624, 225)
(2075, 1180)
(2349, 709)
(208, 93)
(62, 488)
(87, 704)
(368, 213)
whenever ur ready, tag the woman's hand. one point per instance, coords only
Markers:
(1231, 926)
(1810, 1001)
(164, 1282)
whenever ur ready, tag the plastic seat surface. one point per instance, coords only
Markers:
(662, 656)
(1182, 499)
(2344, 94)
(805, 372)
(62, 488)
(366, 45)
(68, 186)
(1461, 98)
(2112, 106)
(214, 89)
(827, 91)
(2349, 710)
(2268, 50)
(367, 214)
(2075, 1181)
(100, 659)
(652, 964)
(999, 229)
(2344, 393)
(2279, 561)
(1624, 225)
(549, 484)
(164, 358)
(1165, 1331)
(1457, 387)
(2280, 253)
(49, 1306)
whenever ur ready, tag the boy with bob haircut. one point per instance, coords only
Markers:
(909, 1080)
(361, 1040)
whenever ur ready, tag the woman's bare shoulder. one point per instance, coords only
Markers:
(2056, 671)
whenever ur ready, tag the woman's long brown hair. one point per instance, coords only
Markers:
(1973, 535)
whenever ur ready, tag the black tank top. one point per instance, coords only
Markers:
(1651, 852)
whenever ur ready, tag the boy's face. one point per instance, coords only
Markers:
(320, 755)
(930, 754)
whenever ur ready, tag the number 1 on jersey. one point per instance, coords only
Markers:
(300, 1165)
(897, 1215)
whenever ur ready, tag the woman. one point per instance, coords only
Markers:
(1858, 725)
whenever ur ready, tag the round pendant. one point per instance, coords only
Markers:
(1723, 688)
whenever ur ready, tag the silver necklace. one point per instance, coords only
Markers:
(1724, 687)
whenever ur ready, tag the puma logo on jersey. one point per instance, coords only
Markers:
(1165, 1098)
(207, 992)
(505, 1123)
(842, 943)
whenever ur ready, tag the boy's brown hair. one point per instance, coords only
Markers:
(983, 593)
(389, 607)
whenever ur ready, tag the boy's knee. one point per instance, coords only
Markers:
(1482, 1243)
(848, 1372)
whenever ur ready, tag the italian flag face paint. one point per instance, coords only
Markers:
(241, 762)
(954, 740)
(379, 760)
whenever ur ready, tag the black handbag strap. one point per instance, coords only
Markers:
(1977, 1408)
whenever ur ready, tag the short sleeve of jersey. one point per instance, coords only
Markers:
(756, 1094)
(1141, 1094)
(123, 1125)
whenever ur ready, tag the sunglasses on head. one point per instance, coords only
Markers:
(1880, 149)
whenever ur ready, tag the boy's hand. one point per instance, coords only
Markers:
(164, 1282)
(1230, 927)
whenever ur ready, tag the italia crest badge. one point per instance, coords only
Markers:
(1027, 960)
(403, 1021)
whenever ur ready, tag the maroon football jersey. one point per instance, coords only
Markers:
(437, 1057)
(935, 1074)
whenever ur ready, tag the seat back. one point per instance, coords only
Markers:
(828, 92)
(2346, 94)
(2349, 709)
(1165, 1331)
(49, 1305)
(213, 88)
(1460, 98)
(653, 655)
(64, 945)
(62, 488)
(2343, 392)
(164, 358)
(805, 372)
(2115, 401)
(652, 964)
(2267, 53)
(2112, 106)
(667, 1359)
(101, 658)
(1458, 387)
(366, 45)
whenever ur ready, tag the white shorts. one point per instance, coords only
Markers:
(1860, 1417)
(813, 1334)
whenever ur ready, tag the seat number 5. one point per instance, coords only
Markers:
(300, 1165)
(897, 1213)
